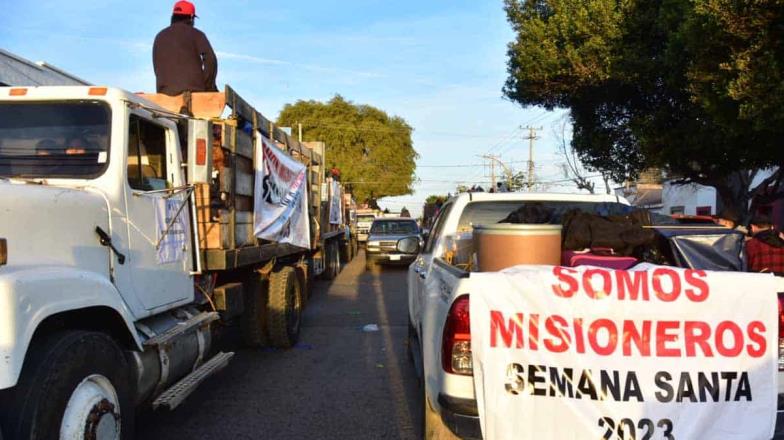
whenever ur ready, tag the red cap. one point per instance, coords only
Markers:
(183, 7)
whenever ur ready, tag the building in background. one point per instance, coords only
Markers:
(645, 192)
(17, 71)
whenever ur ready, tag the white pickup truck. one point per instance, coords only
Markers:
(438, 292)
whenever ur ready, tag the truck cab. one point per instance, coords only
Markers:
(100, 252)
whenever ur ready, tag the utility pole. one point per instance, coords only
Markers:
(506, 170)
(531, 138)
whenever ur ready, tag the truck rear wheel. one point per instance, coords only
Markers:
(284, 310)
(75, 384)
(331, 260)
(303, 276)
(254, 318)
(345, 252)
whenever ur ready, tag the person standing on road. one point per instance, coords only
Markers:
(182, 56)
(765, 250)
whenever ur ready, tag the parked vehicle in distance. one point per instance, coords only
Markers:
(365, 219)
(392, 240)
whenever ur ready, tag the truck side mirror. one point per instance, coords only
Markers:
(199, 151)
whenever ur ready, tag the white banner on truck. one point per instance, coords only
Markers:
(172, 242)
(281, 197)
(651, 353)
(335, 205)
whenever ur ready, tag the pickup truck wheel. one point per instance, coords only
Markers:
(75, 384)
(434, 428)
(284, 310)
(254, 319)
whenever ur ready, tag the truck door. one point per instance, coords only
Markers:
(158, 266)
(421, 268)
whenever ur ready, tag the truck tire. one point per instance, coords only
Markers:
(434, 428)
(74, 384)
(254, 319)
(331, 260)
(284, 310)
(303, 277)
(345, 251)
(338, 260)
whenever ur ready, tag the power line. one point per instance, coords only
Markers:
(465, 166)
(396, 130)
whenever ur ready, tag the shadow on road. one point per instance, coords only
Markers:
(339, 382)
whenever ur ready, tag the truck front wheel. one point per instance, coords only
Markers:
(75, 384)
(284, 310)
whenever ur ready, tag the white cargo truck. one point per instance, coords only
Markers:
(126, 233)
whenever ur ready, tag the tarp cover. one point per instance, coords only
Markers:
(281, 197)
(707, 249)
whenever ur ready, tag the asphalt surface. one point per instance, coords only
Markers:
(339, 382)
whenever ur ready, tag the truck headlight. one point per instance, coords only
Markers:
(408, 245)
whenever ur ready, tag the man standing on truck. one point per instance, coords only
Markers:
(182, 56)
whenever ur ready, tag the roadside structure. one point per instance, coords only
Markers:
(18, 71)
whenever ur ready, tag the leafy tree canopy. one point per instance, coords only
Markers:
(373, 151)
(694, 87)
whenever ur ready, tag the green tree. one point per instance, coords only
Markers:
(374, 151)
(656, 83)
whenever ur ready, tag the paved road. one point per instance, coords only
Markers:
(339, 383)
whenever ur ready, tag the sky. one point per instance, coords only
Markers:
(439, 64)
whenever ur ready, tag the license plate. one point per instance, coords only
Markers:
(394, 258)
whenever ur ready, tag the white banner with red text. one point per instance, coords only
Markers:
(281, 197)
(651, 353)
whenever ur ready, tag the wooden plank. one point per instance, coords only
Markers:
(204, 105)
(210, 235)
(243, 203)
(226, 180)
(244, 145)
(243, 234)
(238, 105)
(244, 176)
(244, 217)
(217, 259)
(227, 138)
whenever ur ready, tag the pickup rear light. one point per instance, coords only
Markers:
(456, 343)
(3, 252)
(781, 331)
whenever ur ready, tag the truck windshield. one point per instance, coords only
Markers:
(394, 227)
(54, 139)
(486, 213)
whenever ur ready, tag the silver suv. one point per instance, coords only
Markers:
(393, 240)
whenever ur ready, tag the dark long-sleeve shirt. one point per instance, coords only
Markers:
(184, 60)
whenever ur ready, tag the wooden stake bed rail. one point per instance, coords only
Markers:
(225, 208)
